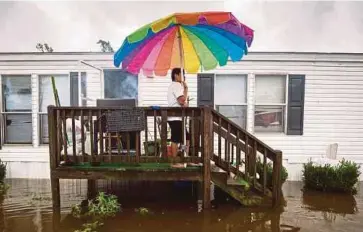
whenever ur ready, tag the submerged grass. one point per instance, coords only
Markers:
(97, 210)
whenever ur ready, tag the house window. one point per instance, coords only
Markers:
(84, 88)
(68, 92)
(120, 84)
(270, 103)
(231, 97)
(46, 98)
(17, 107)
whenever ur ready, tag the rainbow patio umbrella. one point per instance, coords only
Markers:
(191, 41)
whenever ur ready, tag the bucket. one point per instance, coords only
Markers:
(169, 151)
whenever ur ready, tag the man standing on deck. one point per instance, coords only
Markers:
(177, 97)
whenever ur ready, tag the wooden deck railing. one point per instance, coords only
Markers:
(242, 154)
(84, 124)
(213, 137)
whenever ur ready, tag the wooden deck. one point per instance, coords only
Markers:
(220, 152)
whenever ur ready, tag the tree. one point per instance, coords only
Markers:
(105, 46)
(44, 47)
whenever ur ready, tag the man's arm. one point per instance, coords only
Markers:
(185, 94)
(182, 92)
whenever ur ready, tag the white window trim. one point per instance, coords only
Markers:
(2, 128)
(103, 80)
(228, 74)
(38, 87)
(39, 113)
(255, 75)
(138, 100)
(38, 93)
(35, 111)
(233, 103)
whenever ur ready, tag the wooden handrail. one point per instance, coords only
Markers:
(237, 138)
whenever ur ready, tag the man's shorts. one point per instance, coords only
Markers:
(176, 132)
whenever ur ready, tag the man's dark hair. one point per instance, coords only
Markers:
(176, 71)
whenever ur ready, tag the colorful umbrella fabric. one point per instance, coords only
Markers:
(192, 41)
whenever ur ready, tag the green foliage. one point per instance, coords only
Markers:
(259, 170)
(142, 211)
(101, 207)
(76, 211)
(340, 178)
(90, 227)
(98, 209)
(105, 46)
(3, 188)
(44, 47)
(2, 171)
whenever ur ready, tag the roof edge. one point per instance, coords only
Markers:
(250, 52)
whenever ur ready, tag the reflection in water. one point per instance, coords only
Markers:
(330, 205)
(27, 207)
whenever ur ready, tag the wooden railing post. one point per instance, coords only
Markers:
(276, 179)
(54, 163)
(207, 152)
(164, 133)
(53, 140)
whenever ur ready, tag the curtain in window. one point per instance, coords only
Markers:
(270, 90)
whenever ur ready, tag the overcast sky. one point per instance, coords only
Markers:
(322, 26)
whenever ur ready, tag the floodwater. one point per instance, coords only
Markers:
(27, 207)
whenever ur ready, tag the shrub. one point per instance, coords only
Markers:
(2, 171)
(327, 178)
(259, 170)
(3, 187)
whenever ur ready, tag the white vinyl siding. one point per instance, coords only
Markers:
(333, 98)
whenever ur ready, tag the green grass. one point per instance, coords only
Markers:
(136, 167)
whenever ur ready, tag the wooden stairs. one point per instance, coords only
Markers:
(242, 165)
(238, 188)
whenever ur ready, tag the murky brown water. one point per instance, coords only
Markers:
(27, 207)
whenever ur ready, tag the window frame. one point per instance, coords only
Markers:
(4, 113)
(40, 113)
(244, 105)
(103, 83)
(284, 105)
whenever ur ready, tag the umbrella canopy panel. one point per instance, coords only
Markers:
(191, 41)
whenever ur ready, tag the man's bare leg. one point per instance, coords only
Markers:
(174, 149)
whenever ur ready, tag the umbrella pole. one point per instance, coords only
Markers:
(183, 79)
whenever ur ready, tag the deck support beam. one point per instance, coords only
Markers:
(56, 203)
(276, 180)
(91, 189)
(207, 151)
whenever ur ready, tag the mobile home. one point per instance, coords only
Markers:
(300, 103)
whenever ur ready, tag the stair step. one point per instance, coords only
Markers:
(238, 192)
(237, 181)
(215, 168)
